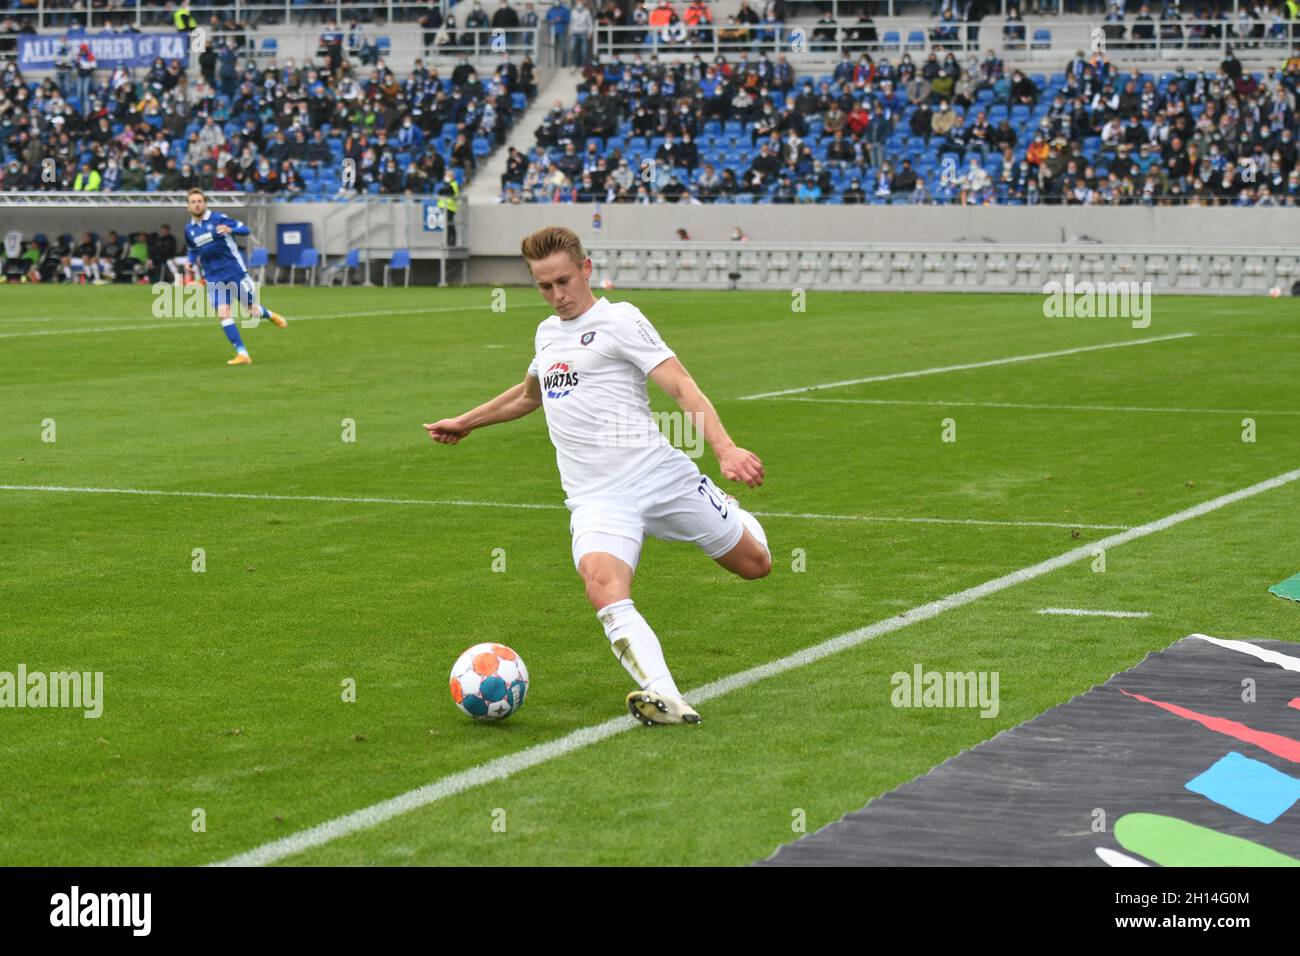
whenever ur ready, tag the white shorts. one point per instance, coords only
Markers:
(675, 502)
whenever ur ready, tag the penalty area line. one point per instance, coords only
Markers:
(939, 370)
(1041, 406)
(466, 503)
(502, 767)
(1081, 612)
(205, 321)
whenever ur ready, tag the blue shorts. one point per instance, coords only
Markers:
(225, 292)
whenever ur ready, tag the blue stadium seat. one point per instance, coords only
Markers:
(1042, 39)
(307, 259)
(384, 45)
(258, 260)
(891, 40)
(916, 40)
(401, 260)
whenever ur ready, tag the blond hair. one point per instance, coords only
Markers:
(548, 241)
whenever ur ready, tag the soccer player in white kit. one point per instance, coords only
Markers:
(623, 478)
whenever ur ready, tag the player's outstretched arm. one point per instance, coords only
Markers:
(735, 463)
(513, 403)
(233, 226)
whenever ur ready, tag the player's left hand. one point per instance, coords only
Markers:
(741, 465)
(223, 230)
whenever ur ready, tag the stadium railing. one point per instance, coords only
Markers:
(286, 11)
(400, 47)
(889, 8)
(1044, 39)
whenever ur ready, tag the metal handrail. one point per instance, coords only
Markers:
(141, 16)
(801, 42)
(115, 199)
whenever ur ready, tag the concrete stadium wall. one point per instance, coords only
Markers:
(495, 230)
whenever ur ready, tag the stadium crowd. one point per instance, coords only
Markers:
(938, 130)
(277, 128)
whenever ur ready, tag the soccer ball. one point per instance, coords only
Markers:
(1274, 292)
(489, 682)
(607, 283)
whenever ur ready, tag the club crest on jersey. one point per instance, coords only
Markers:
(587, 337)
(560, 379)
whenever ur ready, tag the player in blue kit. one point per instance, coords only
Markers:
(209, 237)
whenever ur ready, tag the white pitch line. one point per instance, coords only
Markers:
(503, 767)
(1115, 858)
(917, 373)
(465, 503)
(429, 502)
(1080, 612)
(1037, 405)
(1263, 653)
(105, 328)
(203, 322)
(987, 522)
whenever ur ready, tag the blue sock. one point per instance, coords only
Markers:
(232, 333)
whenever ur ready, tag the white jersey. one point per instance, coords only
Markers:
(592, 372)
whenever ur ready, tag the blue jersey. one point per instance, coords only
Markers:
(217, 254)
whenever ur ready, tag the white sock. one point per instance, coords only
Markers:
(756, 529)
(636, 647)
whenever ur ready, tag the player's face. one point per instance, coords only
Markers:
(563, 284)
(197, 205)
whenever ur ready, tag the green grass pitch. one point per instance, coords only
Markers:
(223, 688)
